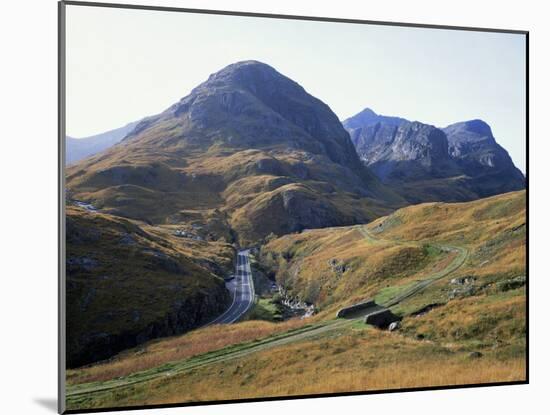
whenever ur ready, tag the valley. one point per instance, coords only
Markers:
(211, 247)
(429, 284)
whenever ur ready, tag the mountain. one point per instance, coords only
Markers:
(79, 148)
(249, 146)
(474, 148)
(424, 163)
(368, 117)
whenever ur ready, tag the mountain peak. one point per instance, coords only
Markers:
(250, 105)
(246, 64)
(264, 108)
(361, 119)
(368, 117)
(479, 127)
(473, 128)
(244, 68)
(248, 141)
(366, 113)
(249, 75)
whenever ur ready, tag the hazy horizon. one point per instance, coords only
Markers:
(123, 65)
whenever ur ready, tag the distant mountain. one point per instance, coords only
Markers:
(474, 148)
(424, 163)
(79, 148)
(249, 144)
(368, 117)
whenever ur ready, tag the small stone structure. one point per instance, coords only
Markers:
(347, 311)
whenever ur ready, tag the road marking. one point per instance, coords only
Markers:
(223, 315)
(243, 293)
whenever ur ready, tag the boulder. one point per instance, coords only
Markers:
(462, 292)
(394, 326)
(468, 279)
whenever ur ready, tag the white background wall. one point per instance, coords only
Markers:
(28, 228)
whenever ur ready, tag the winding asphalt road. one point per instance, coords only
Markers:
(242, 288)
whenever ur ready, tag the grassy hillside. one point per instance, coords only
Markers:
(336, 266)
(466, 326)
(351, 357)
(253, 192)
(128, 283)
(481, 304)
(159, 352)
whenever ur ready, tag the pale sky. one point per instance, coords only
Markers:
(123, 65)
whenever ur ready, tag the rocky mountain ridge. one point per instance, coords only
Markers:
(424, 163)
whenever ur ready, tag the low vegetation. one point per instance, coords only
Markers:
(128, 283)
(250, 159)
(159, 352)
(342, 360)
(466, 326)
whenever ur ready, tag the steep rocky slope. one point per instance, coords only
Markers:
(487, 164)
(424, 163)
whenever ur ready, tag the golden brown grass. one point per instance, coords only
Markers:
(470, 223)
(485, 319)
(158, 352)
(304, 262)
(491, 321)
(403, 249)
(354, 360)
(351, 363)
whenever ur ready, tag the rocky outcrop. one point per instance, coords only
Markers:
(396, 325)
(489, 168)
(424, 163)
(296, 306)
(512, 284)
(408, 151)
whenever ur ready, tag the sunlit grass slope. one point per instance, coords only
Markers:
(467, 326)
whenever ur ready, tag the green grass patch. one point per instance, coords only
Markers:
(388, 293)
(265, 309)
